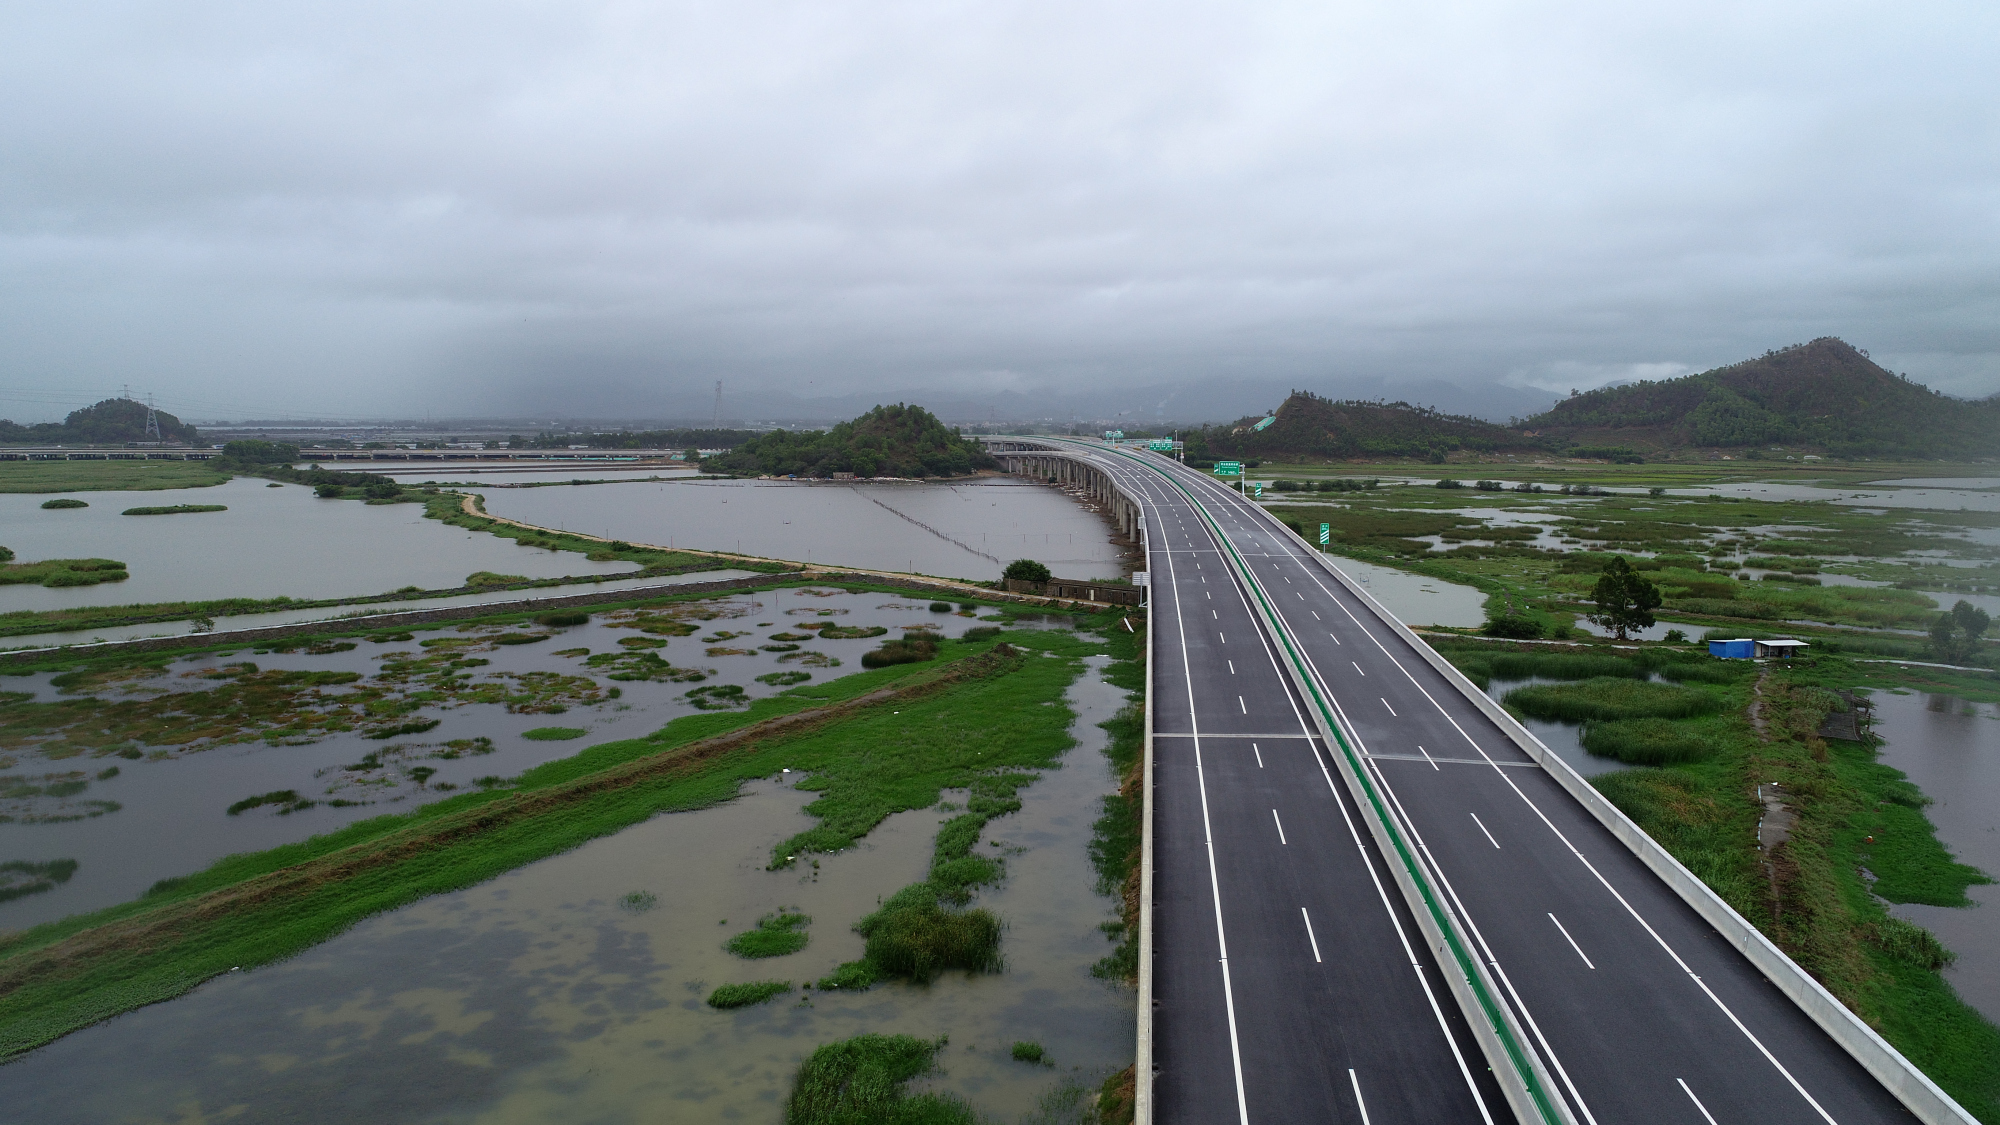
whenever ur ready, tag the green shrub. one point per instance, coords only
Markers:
(744, 995)
(775, 936)
(1026, 570)
(940, 607)
(175, 509)
(860, 1081)
(1702, 672)
(488, 578)
(520, 638)
(21, 878)
(1516, 628)
(1027, 1052)
(1645, 742)
(903, 650)
(1611, 698)
(638, 902)
(287, 800)
(780, 679)
(1912, 943)
(920, 939)
(554, 734)
(854, 976)
(980, 633)
(576, 617)
(63, 502)
(414, 726)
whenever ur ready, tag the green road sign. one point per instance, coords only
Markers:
(1260, 490)
(1264, 423)
(1161, 445)
(1325, 534)
(1228, 468)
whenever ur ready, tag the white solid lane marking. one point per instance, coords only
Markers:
(1392, 710)
(1281, 827)
(1565, 933)
(1351, 1077)
(1240, 703)
(1259, 753)
(1489, 835)
(1427, 758)
(1707, 1116)
(1309, 934)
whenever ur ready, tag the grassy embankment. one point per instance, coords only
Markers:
(63, 572)
(960, 722)
(107, 476)
(1700, 548)
(1698, 799)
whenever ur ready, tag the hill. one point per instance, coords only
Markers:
(1825, 395)
(1308, 426)
(888, 441)
(114, 421)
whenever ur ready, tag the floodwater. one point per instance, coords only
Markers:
(1950, 749)
(960, 529)
(1565, 739)
(1417, 599)
(535, 997)
(79, 637)
(1877, 494)
(272, 542)
(173, 819)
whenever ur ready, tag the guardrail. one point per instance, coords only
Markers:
(1522, 1077)
(1886, 1064)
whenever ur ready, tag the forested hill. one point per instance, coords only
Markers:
(114, 421)
(1825, 395)
(888, 441)
(1313, 427)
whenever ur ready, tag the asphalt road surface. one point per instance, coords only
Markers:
(1291, 983)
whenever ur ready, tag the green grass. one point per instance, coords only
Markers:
(1608, 697)
(775, 935)
(1647, 742)
(21, 878)
(554, 734)
(63, 572)
(744, 995)
(175, 509)
(860, 1081)
(1027, 1052)
(103, 476)
(64, 502)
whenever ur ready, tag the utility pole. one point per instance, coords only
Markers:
(152, 421)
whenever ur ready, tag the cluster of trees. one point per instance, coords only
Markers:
(1306, 425)
(1956, 634)
(894, 441)
(114, 421)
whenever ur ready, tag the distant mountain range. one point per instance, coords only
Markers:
(1823, 397)
(1827, 396)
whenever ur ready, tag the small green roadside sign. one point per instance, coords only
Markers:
(1325, 534)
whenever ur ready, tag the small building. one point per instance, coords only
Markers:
(1741, 649)
(1779, 650)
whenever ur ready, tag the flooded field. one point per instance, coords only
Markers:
(960, 529)
(1951, 749)
(544, 995)
(272, 542)
(1564, 739)
(1417, 599)
(130, 808)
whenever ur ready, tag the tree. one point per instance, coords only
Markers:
(1026, 570)
(1956, 634)
(252, 451)
(1625, 601)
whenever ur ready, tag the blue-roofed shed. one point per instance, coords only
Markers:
(1741, 649)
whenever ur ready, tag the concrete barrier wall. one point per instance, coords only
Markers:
(1916, 1091)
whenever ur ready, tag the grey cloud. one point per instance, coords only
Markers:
(383, 208)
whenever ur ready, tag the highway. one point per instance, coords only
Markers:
(1291, 983)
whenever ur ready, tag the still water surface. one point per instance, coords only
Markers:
(272, 542)
(962, 529)
(536, 998)
(1951, 749)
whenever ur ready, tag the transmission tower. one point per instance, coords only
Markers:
(716, 422)
(152, 421)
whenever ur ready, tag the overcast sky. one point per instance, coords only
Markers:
(577, 207)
